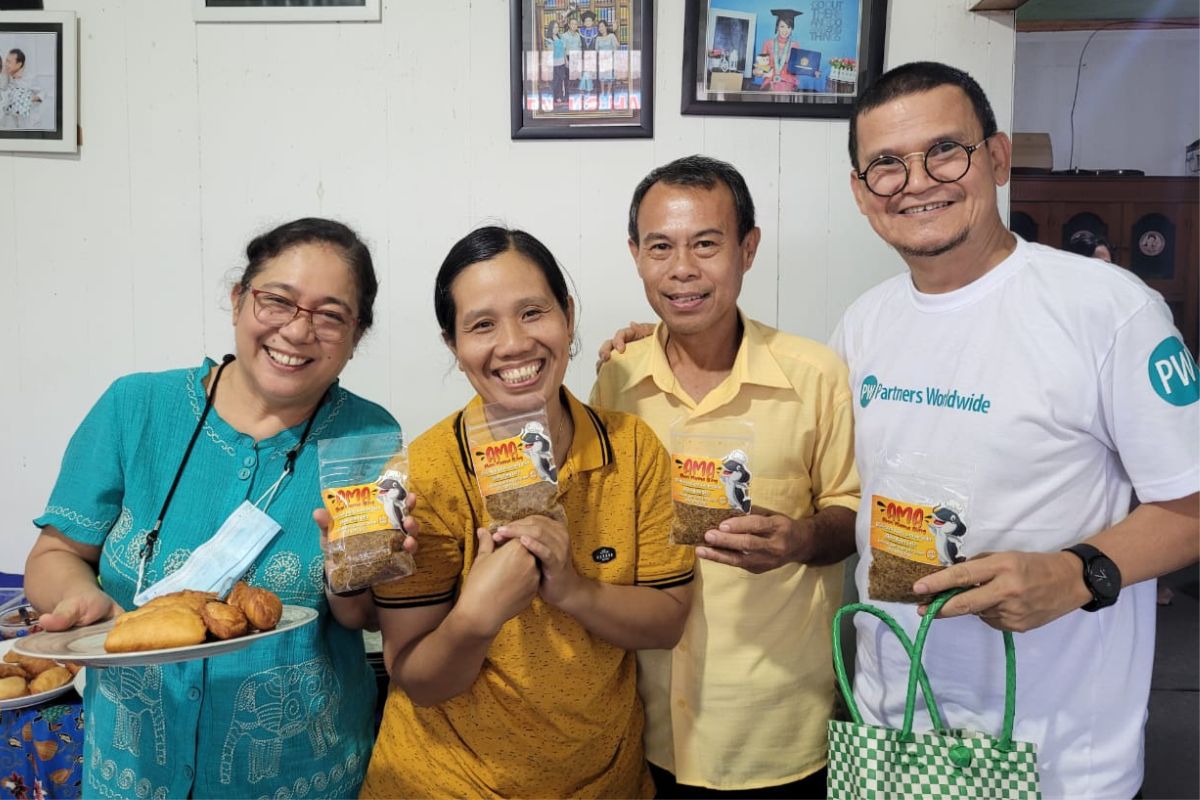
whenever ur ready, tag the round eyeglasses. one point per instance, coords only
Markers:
(277, 311)
(945, 162)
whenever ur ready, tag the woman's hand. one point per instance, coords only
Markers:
(84, 608)
(411, 527)
(548, 540)
(501, 584)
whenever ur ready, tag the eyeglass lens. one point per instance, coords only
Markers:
(945, 162)
(271, 309)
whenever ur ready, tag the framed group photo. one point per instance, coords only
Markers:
(780, 58)
(582, 69)
(285, 10)
(39, 104)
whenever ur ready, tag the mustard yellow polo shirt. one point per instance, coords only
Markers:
(554, 711)
(742, 702)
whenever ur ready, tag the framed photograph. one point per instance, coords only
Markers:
(780, 58)
(39, 106)
(582, 69)
(286, 10)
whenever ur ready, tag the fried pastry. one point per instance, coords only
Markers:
(235, 594)
(261, 607)
(223, 620)
(50, 679)
(168, 626)
(12, 670)
(188, 598)
(12, 687)
(32, 666)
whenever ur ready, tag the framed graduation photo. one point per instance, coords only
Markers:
(780, 58)
(582, 69)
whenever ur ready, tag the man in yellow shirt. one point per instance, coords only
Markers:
(741, 704)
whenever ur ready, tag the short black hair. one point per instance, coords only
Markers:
(1085, 243)
(315, 230)
(484, 244)
(587, 14)
(914, 78)
(701, 171)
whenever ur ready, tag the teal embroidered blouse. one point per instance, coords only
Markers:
(287, 717)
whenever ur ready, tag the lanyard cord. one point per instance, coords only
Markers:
(147, 550)
(152, 537)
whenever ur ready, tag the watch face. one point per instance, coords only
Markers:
(1103, 577)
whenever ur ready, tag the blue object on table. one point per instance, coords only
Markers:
(41, 750)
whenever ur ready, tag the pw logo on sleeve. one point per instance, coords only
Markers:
(1173, 372)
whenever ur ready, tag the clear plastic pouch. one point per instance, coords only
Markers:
(513, 456)
(919, 511)
(710, 475)
(364, 481)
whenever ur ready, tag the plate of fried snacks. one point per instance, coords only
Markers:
(27, 681)
(180, 626)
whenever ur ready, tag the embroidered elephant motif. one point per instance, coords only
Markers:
(137, 694)
(278, 704)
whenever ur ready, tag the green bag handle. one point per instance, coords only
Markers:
(916, 673)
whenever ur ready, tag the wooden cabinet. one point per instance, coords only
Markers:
(1152, 223)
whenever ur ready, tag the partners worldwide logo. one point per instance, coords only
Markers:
(951, 398)
(1172, 372)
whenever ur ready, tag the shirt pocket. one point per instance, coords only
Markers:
(791, 497)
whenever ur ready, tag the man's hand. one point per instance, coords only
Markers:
(1012, 591)
(764, 540)
(627, 335)
(759, 542)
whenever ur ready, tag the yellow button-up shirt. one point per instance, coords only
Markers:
(743, 700)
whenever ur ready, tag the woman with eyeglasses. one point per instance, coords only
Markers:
(290, 715)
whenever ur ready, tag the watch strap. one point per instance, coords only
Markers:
(1087, 553)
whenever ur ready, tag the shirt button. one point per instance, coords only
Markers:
(244, 473)
(188, 772)
(193, 693)
(249, 461)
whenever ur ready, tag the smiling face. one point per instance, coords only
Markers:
(288, 367)
(689, 257)
(12, 64)
(928, 219)
(511, 337)
(782, 29)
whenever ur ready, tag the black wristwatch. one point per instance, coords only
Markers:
(1100, 575)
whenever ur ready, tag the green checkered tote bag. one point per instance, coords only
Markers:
(867, 762)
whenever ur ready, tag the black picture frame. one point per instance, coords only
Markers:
(727, 74)
(558, 87)
(39, 105)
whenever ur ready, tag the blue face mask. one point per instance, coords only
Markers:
(216, 565)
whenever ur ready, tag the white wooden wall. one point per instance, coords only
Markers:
(198, 136)
(1137, 104)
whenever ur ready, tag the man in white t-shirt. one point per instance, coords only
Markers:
(1028, 391)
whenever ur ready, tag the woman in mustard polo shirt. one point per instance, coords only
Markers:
(511, 653)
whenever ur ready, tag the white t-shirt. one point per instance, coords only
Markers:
(1048, 386)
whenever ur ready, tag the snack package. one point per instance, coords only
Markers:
(710, 476)
(919, 506)
(513, 456)
(364, 480)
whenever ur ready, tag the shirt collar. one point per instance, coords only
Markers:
(590, 445)
(753, 364)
